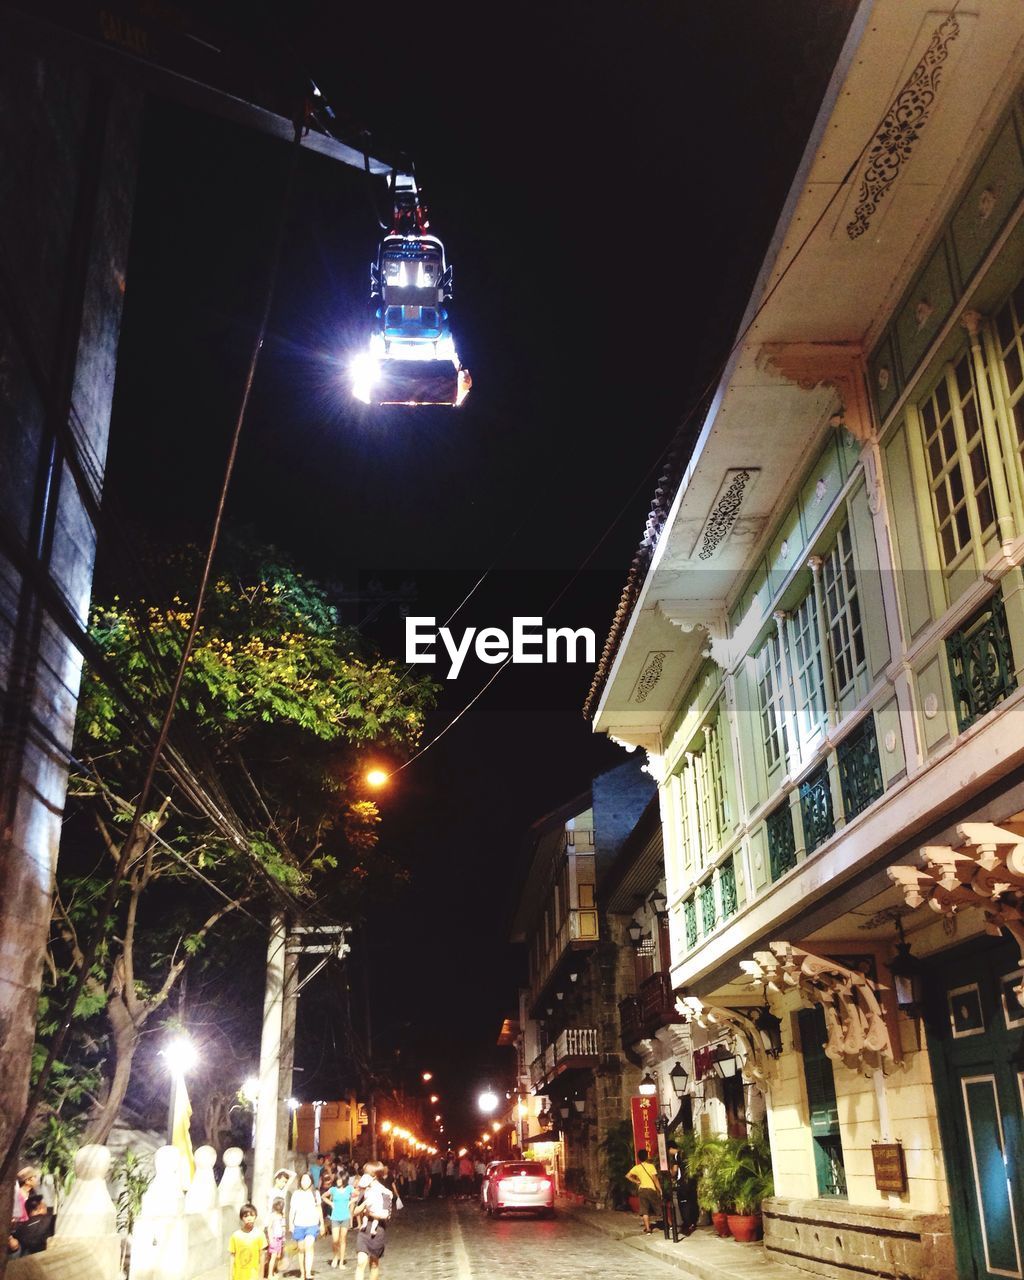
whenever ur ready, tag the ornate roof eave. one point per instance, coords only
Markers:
(755, 1064)
(859, 1034)
(986, 871)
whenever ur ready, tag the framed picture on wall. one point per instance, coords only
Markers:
(966, 1017)
(1013, 1009)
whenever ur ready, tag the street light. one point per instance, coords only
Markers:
(427, 1076)
(648, 1086)
(487, 1101)
(377, 777)
(678, 1076)
(434, 1099)
(179, 1053)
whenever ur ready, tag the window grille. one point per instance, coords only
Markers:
(816, 808)
(980, 663)
(727, 888)
(957, 466)
(690, 922)
(809, 672)
(706, 894)
(842, 612)
(860, 770)
(781, 840)
(770, 703)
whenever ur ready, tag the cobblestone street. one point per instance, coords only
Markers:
(453, 1240)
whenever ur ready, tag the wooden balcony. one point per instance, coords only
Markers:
(641, 1015)
(573, 1048)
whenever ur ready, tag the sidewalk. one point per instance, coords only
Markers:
(701, 1255)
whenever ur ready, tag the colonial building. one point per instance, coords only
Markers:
(821, 647)
(569, 1017)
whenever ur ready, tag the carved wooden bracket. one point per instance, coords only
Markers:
(858, 1031)
(755, 1064)
(839, 365)
(985, 871)
(706, 616)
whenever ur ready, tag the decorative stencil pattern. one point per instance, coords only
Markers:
(650, 675)
(894, 143)
(725, 510)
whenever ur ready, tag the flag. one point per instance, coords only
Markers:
(181, 1137)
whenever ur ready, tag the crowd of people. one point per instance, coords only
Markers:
(327, 1197)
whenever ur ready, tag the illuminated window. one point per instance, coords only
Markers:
(770, 701)
(957, 466)
(586, 892)
(808, 671)
(842, 612)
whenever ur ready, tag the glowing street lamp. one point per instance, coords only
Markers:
(427, 1077)
(434, 1099)
(488, 1101)
(496, 1126)
(377, 777)
(179, 1053)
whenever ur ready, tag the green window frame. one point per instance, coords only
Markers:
(823, 1111)
(727, 888)
(980, 662)
(708, 912)
(860, 770)
(781, 840)
(712, 792)
(1009, 332)
(842, 613)
(690, 922)
(958, 471)
(809, 671)
(770, 704)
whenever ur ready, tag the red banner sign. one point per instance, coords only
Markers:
(645, 1134)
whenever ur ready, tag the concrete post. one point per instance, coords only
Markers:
(269, 1101)
(289, 1009)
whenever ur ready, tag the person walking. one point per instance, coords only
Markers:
(339, 1201)
(246, 1246)
(644, 1176)
(275, 1233)
(373, 1211)
(306, 1219)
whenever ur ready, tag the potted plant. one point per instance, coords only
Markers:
(746, 1172)
(705, 1162)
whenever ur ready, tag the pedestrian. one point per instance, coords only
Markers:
(465, 1185)
(644, 1177)
(316, 1168)
(27, 1182)
(276, 1226)
(479, 1169)
(278, 1191)
(247, 1246)
(373, 1211)
(339, 1199)
(33, 1233)
(306, 1219)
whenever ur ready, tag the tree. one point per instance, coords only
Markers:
(255, 803)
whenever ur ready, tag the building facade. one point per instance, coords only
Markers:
(821, 648)
(569, 1015)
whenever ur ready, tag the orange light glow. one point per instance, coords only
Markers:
(377, 777)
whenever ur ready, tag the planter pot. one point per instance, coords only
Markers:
(720, 1221)
(745, 1227)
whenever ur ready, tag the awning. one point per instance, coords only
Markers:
(546, 1135)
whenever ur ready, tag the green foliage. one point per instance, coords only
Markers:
(131, 1176)
(747, 1171)
(733, 1174)
(617, 1148)
(52, 1147)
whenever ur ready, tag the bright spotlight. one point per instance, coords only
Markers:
(364, 372)
(488, 1101)
(377, 777)
(180, 1055)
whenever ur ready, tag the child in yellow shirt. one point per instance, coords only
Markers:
(247, 1247)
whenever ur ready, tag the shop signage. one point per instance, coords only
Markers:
(890, 1168)
(645, 1132)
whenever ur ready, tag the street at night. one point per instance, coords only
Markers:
(512, 639)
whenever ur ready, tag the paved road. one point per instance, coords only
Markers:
(453, 1240)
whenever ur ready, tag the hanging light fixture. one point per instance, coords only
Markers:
(726, 1063)
(574, 976)
(648, 1086)
(580, 1103)
(678, 1075)
(563, 1110)
(634, 930)
(658, 902)
(907, 976)
(769, 1028)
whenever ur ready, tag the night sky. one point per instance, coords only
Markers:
(606, 178)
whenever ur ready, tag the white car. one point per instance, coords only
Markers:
(519, 1184)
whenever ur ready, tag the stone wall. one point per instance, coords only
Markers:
(847, 1242)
